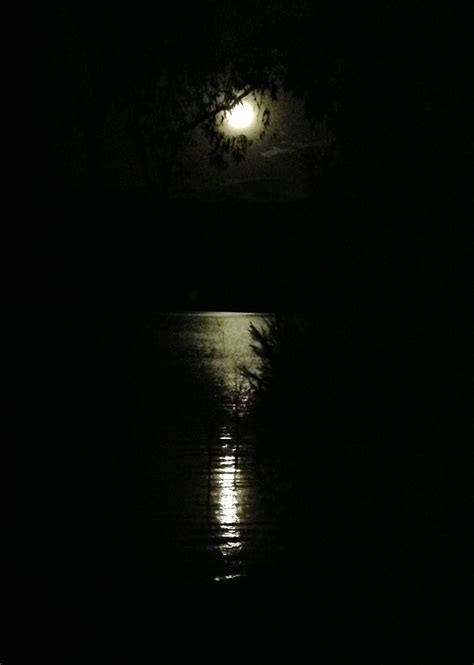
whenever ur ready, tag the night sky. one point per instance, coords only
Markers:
(369, 138)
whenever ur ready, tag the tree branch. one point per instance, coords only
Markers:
(218, 109)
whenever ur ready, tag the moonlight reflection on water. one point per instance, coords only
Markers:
(230, 489)
(201, 484)
(227, 498)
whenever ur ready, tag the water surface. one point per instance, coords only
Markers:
(201, 511)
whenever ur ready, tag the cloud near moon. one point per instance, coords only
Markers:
(324, 143)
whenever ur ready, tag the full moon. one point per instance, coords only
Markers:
(241, 116)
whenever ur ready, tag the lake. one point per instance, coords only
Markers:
(201, 510)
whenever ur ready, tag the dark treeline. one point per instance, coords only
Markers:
(68, 433)
(367, 422)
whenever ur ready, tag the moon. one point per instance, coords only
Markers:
(241, 116)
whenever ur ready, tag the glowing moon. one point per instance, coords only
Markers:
(241, 116)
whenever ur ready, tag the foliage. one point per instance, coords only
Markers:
(284, 386)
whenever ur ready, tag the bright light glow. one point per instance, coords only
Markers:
(227, 505)
(241, 116)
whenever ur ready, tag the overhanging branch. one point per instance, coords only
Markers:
(220, 108)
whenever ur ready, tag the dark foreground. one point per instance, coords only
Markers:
(386, 550)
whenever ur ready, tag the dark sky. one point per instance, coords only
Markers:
(389, 81)
(385, 92)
